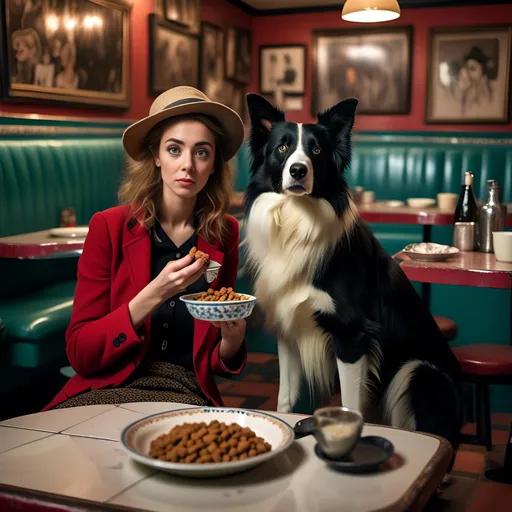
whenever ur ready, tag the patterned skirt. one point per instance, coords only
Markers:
(153, 381)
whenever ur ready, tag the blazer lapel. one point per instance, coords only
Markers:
(137, 251)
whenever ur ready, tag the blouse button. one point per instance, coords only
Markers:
(166, 325)
(178, 254)
(164, 344)
(172, 303)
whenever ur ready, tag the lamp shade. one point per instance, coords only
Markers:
(370, 11)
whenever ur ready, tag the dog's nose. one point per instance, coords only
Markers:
(298, 171)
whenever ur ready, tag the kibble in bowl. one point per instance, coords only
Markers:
(213, 435)
(219, 305)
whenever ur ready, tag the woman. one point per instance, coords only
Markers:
(130, 337)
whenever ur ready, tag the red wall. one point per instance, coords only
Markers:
(219, 12)
(297, 29)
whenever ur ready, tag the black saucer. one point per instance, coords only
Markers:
(367, 456)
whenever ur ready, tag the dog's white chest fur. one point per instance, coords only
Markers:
(288, 237)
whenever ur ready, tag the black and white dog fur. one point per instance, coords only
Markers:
(337, 301)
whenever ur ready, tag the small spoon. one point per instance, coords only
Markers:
(304, 427)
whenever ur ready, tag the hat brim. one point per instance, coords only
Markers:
(232, 125)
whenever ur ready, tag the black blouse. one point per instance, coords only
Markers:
(172, 326)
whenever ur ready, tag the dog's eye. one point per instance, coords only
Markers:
(282, 148)
(317, 151)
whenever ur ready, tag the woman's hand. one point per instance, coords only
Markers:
(173, 279)
(176, 276)
(233, 334)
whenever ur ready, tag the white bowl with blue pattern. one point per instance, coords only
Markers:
(218, 311)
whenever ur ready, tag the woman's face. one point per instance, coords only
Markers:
(24, 50)
(186, 158)
(475, 69)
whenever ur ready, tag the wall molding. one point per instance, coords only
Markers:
(26, 130)
(404, 4)
(433, 139)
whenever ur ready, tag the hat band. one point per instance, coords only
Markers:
(182, 102)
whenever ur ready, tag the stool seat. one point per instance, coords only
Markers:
(447, 327)
(484, 359)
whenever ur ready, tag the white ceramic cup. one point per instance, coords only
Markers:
(447, 200)
(502, 241)
(368, 196)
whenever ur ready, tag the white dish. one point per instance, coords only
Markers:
(136, 438)
(393, 203)
(428, 251)
(71, 232)
(420, 202)
(218, 311)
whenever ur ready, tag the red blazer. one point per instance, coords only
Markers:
(101, 343)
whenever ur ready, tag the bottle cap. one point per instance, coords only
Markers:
(493, 184)
(468, 178)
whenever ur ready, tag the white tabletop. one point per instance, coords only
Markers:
(76, 453)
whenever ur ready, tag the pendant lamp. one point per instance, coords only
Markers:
(370, 11)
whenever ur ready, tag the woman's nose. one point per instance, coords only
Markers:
(188, 161)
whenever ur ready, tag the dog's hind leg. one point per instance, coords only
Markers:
(353, 381)
(290, 375)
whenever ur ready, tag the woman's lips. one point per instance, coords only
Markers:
(186, 183)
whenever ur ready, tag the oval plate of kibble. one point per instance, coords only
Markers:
(206, 442)
(221, 305)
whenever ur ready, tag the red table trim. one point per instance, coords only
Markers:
(466, 269)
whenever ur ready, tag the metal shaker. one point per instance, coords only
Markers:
(492, 216)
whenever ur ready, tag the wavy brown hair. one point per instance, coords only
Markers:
(142, 186)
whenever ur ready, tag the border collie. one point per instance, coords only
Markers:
(337, 301)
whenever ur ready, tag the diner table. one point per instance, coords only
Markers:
(466, 268)
(73, 458)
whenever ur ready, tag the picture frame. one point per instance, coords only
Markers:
(81, 59)
(283, 66)
(173, 56)
(230, 52)
(469, 75)
(191, 15)
(173, 10)
(350, 62)
(211, 62)
(243, 56)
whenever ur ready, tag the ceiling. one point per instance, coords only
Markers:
(267, 6)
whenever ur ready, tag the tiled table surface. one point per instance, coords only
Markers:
(76, 453)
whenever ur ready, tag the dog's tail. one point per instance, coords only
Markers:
(422, 397)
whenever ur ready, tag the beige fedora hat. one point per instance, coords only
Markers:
(185, 100)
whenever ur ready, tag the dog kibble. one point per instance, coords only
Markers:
(199, 443)
(222, 295)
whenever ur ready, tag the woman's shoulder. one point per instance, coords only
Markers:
(117, 215)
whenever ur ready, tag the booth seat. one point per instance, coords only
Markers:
(46, 167)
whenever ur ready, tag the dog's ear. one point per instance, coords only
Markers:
(340, 118)
(263, 114)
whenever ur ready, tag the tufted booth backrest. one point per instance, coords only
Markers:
(401, 166)
(39, 177)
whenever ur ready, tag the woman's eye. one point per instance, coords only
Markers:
(202, 153)
(282, 148)
(317, 151)
(174, 150)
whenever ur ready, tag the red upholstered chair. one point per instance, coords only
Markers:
(482, 365)
(447, 327)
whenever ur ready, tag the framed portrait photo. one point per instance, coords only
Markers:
(283, 66)
(469, 75)
(212, 62)
(243, 56)
(173, 56)
(230, 52)
(54, 54)
(372, 65)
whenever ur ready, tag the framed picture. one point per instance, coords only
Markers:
(172, 10)
(243, 56)
(191, 15)
(66, 51)
(212, 62)
(173, 56)
(372, 65)
(230, 49)
(284, 67)
(469, 75)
